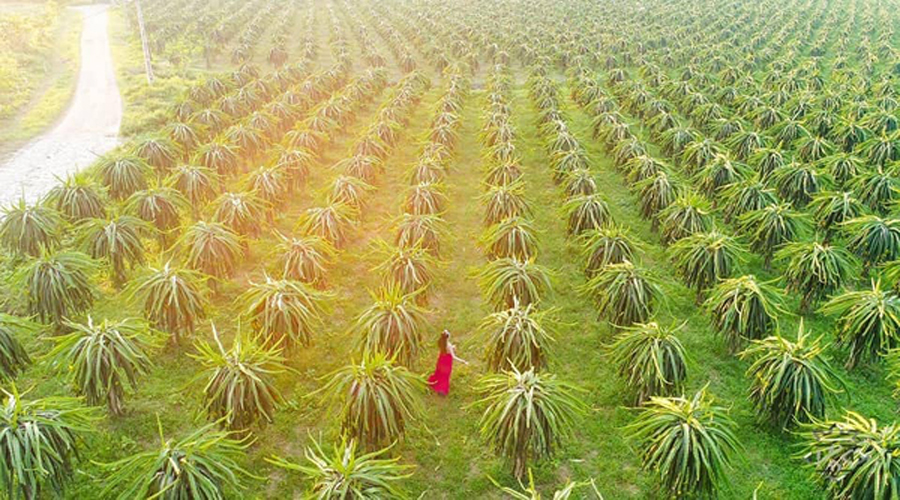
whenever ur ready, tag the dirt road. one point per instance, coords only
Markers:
(89, 128)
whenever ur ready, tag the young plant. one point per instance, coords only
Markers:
(517, 338)
(378, 398)
(686, 443)
(202, 465)
(347, 473)
(239, 389)
(508, 281)
(527, 415)
(39, 442)
(868, 322)
(853, 457)
(650, 359)
(283, 312)
(744, 309)
(101, 359)
(625, 294)
(392, 325)
(790, 382)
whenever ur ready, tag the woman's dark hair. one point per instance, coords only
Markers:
(444, 341)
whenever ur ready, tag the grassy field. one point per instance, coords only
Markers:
(445, 446)
(51, 73)
(450, 457)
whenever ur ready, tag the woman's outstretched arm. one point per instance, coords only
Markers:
(455, 357)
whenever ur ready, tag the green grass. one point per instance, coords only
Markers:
(146, 107)
(57, 73)
(450, 459)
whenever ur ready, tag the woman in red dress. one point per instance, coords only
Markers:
(440, 379)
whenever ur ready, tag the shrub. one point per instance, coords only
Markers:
(504, 201)
(507, 281)
(118, 240)
(686, 443)
(517, 338)
(791, 382)
(101, 359)
(243, 212)
(585, 213)
(703, 259)
(409, 269)
(513, 237)
(378, 398)
(27, 229)
(873, 239)
(610, 245)
(346, 473)
(624, 293)
(39, 439)
(171, 296)
(239, 390)
(57, 285)
(815, 269)
(688, 214)
(527, 415)
(211, 248)
(13, 356)
(202, 465)
(650, 360)
(329, 223)
(771, 227)
(283, 312)
(392, 325)
(77, 198)
(868, 322)
(123, 175)
(853, 457)
(304, 259)
(531, 492)
(743, 308)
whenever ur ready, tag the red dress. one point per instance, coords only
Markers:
(440, 379)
